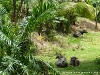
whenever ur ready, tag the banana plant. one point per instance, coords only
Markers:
(16, 57)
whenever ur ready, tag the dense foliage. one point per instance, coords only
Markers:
(85, 10)
(19, 18)
(16, 50)
(77, 9)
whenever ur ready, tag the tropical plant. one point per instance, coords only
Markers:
(42, 14)
(89, 2)
(62, 24)
(17, 9)
(98, 10)
(16, 54)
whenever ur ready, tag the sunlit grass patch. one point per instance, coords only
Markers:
(86, 48)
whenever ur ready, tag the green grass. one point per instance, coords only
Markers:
(86, 48)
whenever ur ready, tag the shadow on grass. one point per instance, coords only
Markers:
(85, 68)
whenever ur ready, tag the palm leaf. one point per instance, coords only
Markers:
(5, 39)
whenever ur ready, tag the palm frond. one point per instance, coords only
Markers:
(5, 39)
(41, 14)
(13, 61)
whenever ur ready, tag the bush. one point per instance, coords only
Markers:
(73, 10)
(85, 10)
(68, 11)
(62, 24)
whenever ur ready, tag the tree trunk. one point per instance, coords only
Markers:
(19, 8)
(96, 17)
(14, 11)
(27, 9)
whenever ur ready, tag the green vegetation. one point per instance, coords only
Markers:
(86, 48)
(52, 20)
(85, 10)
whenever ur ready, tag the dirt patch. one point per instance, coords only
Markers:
(60, 39)
(84, 23)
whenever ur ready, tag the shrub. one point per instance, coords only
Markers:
(68, 11)
(62, 24)
(73, 10)
(85, 10)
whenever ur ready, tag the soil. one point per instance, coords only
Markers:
(84, 23)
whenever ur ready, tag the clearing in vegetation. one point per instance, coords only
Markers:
(85, 48)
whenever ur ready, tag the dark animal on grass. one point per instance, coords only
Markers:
(83, 31)
(74, 61)
(62, 62)
(77, 34)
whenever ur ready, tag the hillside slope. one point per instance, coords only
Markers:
(86, 48)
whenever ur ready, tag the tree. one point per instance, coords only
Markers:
(96, 17)
(96, 4)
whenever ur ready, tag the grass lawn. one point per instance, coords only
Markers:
(86, 48)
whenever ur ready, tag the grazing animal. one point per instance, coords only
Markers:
(62, 62)
(83, 31)
(74, 61)
(77, 34)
